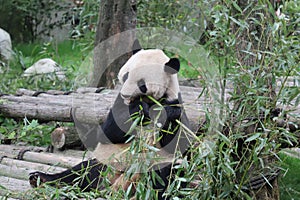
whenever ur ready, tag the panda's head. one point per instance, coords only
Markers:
(149, 72)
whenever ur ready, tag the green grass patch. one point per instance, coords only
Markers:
(69, 54)
(290, 180)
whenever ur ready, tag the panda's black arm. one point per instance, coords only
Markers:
(118, 122)
(173, 108)
(89, 171)
(111, 132)
(173, 112)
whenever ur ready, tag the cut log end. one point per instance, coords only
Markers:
(58, 138)
(65, 137)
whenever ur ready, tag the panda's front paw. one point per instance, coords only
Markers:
(37, 178)
(139, 108)
(173, 112)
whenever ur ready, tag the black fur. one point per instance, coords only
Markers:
(90, 171)
(172, 136)
(173, 66)
(117, 124)
(136, 47)
(125, 77)
(142, 86)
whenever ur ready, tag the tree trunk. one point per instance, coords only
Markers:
(115, 34)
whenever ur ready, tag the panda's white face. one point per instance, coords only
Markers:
(149, 72)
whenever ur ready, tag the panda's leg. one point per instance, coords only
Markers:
(87, 173)
(166, 172)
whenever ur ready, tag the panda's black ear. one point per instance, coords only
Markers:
(136, 46)
(173, 66)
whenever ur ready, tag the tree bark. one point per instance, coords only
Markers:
(115, 34)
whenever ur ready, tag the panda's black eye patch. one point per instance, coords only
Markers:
(142, 85)
(125, 77)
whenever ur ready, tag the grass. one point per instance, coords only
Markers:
(289, 186)
(289, 182)
(65, 51)
(68, 54)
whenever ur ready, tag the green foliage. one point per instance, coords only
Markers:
(87, 16)
(29, 132)
(289, 183)
(14, 21)
(48, 192)
(221, 175)
(35, 134)
(183, 16)
(28, 20)
(221, 167)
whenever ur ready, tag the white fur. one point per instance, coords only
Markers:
(148, 65)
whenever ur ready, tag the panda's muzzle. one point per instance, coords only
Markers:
(127, 99)
(124, 96)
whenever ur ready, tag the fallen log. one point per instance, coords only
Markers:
(14, 172)
(13, 151)
(21, 164)
(90, 105)
(31, 155)
(12, 184)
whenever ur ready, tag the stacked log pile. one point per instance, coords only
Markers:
(16, 162)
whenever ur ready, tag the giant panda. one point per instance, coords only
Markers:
(148, 73)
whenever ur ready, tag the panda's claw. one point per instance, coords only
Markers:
(36, 178)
